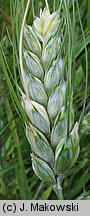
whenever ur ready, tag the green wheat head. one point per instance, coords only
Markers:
(54, 141)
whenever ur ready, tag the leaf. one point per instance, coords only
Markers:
(4, 197)
(8, 147)
(14, 97)
(88, 15)
(78, 78)
(46, 194)
(79, 186)
(23, 181)
(80, 46)
(10, 166)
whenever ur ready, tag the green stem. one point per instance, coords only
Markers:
(86, 58)
(54, 5)
(58, 188)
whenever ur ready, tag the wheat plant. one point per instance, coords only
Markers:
(48, 98)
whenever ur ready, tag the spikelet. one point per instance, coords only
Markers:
(85, 127)
(43, 170)
(67, 152)
(39, 144)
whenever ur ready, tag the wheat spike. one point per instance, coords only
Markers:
(53, 154)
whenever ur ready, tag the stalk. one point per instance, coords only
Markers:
(86, 75)
(58, 188)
